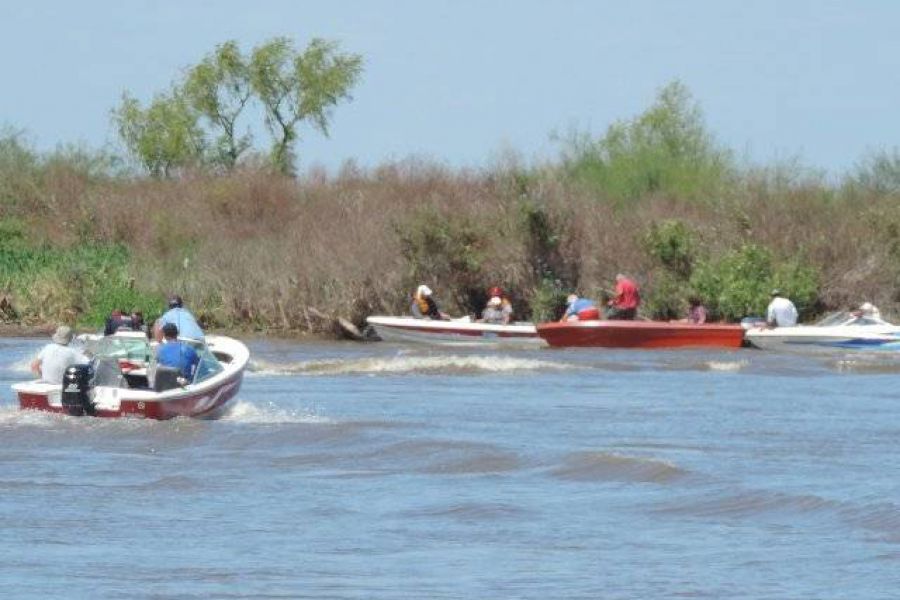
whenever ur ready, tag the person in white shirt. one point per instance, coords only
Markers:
(53, 359)
(781, 311)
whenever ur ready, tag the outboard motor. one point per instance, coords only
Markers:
(75, 387)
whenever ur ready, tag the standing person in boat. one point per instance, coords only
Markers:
(493, 312)
(624, 304)
(506, 308)
(53, 359)
(181, 317)
(424, 306)
(177, 354)
(781, 311)
(580, 309)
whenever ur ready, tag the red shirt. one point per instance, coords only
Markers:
(627, 295)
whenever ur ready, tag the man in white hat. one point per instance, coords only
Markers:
(53, 359)
(493, 312)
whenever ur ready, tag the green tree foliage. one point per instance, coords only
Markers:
(297, 87)
(667, 149)
(219, 89)
(197, 122)
(165, 136)
(738, 284)
(675, 249)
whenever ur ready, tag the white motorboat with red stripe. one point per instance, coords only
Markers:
(123, 380)
(453, 331)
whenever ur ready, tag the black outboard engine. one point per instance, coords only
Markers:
(75, 387)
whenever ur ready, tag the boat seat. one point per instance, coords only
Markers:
(166, 378)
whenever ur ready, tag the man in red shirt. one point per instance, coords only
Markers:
(626, 301)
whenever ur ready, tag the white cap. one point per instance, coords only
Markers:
(495, 301)
(423, 290)
(572, 298)
(866, 306)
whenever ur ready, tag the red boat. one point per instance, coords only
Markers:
(124, 381)
(640, 334)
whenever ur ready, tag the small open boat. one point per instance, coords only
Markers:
(640, 334)
(837, 332)
(453, 332)
(123, 380)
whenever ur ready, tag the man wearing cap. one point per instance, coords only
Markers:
(781, 311)
(493, 312)
(424, 306)
(182, 318)
(53, 359)
(506, 308)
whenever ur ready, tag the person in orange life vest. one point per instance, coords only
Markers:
(424, 306)
(506, 308)
(624, 304)
(580, 309)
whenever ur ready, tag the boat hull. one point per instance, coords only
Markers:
(640, 334)
(812, 339)
(409, 329)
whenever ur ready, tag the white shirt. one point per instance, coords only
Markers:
(781, 312)
(55, 358)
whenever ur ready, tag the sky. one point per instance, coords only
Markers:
(466, 83)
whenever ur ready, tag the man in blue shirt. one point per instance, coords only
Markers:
(575, 305)
(177, 354)
(182, 318)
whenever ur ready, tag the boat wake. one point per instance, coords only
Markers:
(269, 414)
(398, 365)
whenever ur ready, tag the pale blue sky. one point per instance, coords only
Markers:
(463, 81)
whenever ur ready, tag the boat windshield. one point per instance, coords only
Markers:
(844, 317)
(134, 349)
(208, 366)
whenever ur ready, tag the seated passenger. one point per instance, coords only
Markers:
(505, 305)
(116, 321)
(696, 311)
(53, 359)
(493, 312)
(424, 306)
(177, 354)
(580, 309)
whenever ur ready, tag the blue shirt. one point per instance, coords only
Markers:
(185, 321)
(579, 305)
(178, 355)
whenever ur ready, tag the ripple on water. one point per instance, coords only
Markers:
(606, 466)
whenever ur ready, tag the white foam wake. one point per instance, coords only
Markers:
(248, 412)
(408, 364)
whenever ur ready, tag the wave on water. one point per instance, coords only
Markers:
(882, 518)
(873, 365)
(726, 366)
(606, 466)
(23, 365)
(248, 412)
(404, 364)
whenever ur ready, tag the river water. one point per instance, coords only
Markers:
(383, 471)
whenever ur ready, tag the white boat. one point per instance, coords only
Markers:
(123, 380)
(462, 331)
(841, 331)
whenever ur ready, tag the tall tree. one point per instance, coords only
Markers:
(164, 136)
(219, 88)
(300, 86)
